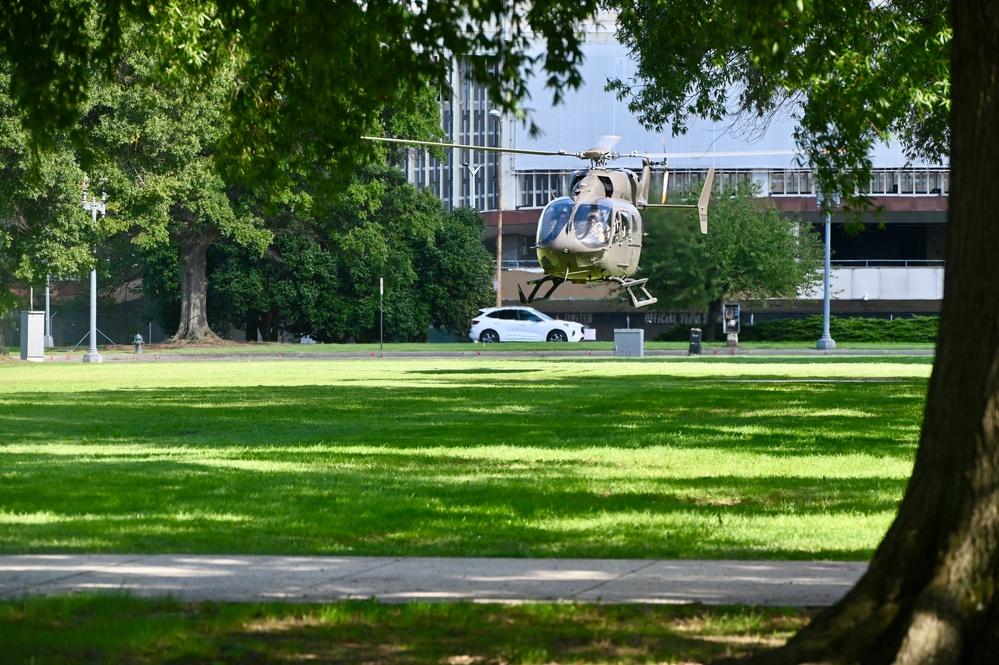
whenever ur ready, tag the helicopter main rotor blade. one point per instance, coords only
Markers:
(465, 146)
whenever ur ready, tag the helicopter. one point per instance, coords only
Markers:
(594, 234)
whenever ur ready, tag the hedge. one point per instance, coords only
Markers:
(913, 330)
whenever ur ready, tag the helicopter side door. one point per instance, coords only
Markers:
(622, 226)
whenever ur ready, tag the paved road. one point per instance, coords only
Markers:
(393, 579)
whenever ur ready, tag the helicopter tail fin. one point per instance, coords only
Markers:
(702, 202)
(642, 193)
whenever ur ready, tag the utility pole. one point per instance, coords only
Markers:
(93, 355)
(499, 213)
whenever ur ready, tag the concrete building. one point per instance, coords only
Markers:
(894, 266)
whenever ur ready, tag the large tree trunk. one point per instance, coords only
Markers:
(930, 593)
(714, 319)
(193, 325)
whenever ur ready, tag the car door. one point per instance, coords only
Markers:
(505, 323)
(532, 327)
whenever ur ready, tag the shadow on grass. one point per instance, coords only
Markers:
(123, 629)
(600, 467)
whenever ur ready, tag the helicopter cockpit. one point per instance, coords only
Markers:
(590, 222)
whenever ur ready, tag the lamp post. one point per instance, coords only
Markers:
(93, 355)
(48, 314)
(472, 171)
(826, 342)
(499, 214)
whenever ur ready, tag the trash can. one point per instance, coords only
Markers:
(695, 341)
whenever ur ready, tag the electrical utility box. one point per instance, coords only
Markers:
(33, 336)
(629, 342)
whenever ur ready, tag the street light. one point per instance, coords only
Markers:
(826, 342)
(48, 314)
(499, 214)
(472, 170)
(93, 355)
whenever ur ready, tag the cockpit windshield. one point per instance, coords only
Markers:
(554, 220)
(591, 223)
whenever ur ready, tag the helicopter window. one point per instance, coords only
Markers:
(620, 225)
(591, 224)
(608, 186)
(553, 220)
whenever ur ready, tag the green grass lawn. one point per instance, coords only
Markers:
(797, 458)
(744, 457)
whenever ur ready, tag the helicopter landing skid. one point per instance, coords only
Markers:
(629, 284)
(527, 300)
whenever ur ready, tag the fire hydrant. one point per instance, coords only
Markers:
(138, 343)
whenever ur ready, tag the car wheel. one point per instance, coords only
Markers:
(557, 336)
(489, 337)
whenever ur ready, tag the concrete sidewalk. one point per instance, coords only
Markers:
(396, 579)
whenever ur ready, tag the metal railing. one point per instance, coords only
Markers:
(889, 263)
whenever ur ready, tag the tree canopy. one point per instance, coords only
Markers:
(851, 73)
(309, 76)
(321, 276)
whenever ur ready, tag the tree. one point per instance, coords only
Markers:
(309, 75)
(751, 252)
(43, 227)
(930, 593)
(321, 275)
(152, 142)
(455, 272)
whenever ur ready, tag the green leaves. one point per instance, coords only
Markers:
(862, 73)
(320, 277)
(307, 77)
(751, 252)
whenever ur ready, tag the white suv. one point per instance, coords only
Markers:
(522, 324)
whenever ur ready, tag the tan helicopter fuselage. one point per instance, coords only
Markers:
(596, 233)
